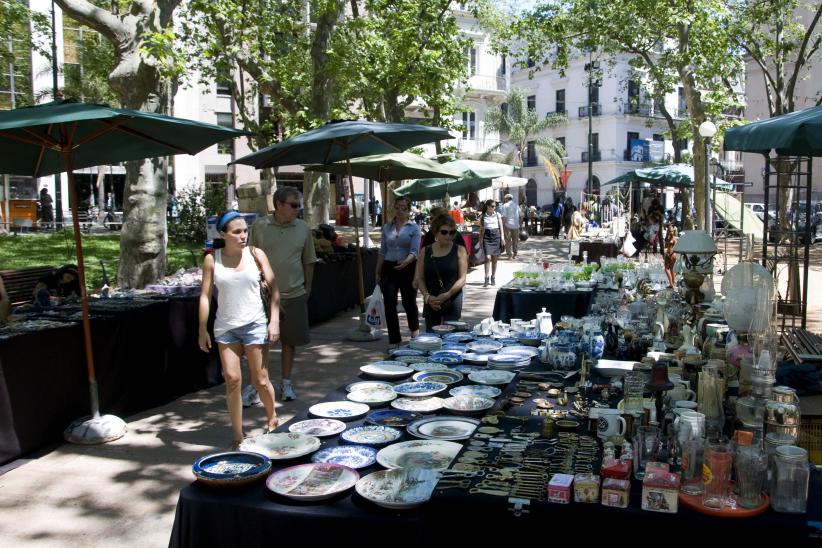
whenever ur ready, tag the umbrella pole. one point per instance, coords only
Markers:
(96, 428)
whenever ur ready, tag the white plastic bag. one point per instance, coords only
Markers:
(375, 310)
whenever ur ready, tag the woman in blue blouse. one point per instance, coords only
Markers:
(399, 249)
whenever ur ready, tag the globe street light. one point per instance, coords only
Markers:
(707, 130)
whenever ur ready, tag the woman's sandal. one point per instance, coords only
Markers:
(270, 430)
(235, 445)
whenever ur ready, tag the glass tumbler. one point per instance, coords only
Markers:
(634, 388)
(692, 458)
(751, 467)
(717, 473)
(789, 493)
(647, 449)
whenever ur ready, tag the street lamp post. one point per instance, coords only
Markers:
(707, 130)
(590, 67)
(58, 186)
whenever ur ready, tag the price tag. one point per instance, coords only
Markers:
(574, 248)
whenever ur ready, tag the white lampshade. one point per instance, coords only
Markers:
(707, 129)
(749, 293)
(695, 242)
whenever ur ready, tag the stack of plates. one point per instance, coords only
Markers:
(426, 342)
(509, 361)
(480, 359)
(387, 370)
(485, 346)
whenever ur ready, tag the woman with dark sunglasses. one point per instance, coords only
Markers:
(441, 274)
(492, 238)
(399, 249)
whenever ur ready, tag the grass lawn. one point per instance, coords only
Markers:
(56, 249)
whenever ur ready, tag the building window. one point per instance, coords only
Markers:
(658, 137)
(469, 122)
(633, 92)
(595, 141)
(472, 61)
(560, 95)
(225, 119)
(532, 102)
(681, 105)
(681, 144)
(502, 68)
(531, 154)
(15, 69)
(223, 88)
(632, 155)
(530, 62)
(594, 91)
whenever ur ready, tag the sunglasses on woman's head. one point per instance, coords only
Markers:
(448, 232)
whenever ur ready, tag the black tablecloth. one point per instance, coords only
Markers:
(596, 250)
(334, 288)
(526, 304)
(144, 357)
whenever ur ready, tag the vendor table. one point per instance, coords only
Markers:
(525, 304)
(596, 250)
(334, 287)
(252, 516)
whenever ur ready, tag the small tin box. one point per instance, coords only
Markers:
(586, 488)
(660, 490)
(616, 492)
(559, 488)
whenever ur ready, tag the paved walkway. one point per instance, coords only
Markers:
(124, 493)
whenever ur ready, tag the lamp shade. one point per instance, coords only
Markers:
(659, 381)
(695, 242)
(707, 129)
(749, 293)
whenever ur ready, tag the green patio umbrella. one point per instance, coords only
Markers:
(340, 141)
(390, 167)
(476, 175)
(64, 135)
(676, 175)
(793, 134)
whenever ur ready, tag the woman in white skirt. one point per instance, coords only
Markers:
(493, 239)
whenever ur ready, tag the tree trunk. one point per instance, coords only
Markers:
(696, 110)
(101, 193)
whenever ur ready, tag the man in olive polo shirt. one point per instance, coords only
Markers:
(289, 245)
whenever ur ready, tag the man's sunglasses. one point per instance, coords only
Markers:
(448, 232)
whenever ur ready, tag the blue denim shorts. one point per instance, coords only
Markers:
(252, 333)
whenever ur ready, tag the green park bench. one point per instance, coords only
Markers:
(20, 282)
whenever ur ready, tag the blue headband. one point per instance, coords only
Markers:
(227, 217)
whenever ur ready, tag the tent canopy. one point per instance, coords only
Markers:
(676, 175)
(476, 175)
(793, 134)
(389, 167)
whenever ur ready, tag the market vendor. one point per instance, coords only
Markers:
(578, 221)
(63, 283)
(5, 302)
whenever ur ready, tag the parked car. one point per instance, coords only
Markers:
(816, 220)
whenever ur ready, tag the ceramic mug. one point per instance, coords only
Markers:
(679, 392)
(610, 422)
(686, 404)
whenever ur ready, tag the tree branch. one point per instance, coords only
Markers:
(103, 21)
(801, 57)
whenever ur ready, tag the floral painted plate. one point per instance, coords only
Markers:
(483, 391)
(231, 468)
(281, 446)
(396, 352)
(445, 377)
(322, 428)
(392, 417)
(426, 342)
(467, 404)
(484, 346)
(468, 369)
(459, 324)
(353, 456)
(375, 396)
(454, 347)
(429, 454)
(342, 410)
(478, 359)
(443, 428)
(411, 360)
(496, 376)
(428, 366)
(418, 405)
(371, 435)
(360, 385)
(315, 481)
(419, 389)
(458, 337)
(398, 489)
(387, 370)
(520, 349)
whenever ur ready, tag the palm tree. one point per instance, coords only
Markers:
(517, 125)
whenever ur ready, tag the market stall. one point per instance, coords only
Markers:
(518, 303)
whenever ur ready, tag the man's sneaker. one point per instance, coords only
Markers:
(250, 396)
(287, 391)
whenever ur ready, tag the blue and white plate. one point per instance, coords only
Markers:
(485, 346)
(426, 342)
(458, 337)
(418, 405)
(448, 353)
(429, 366)
(353, 456)
(471, 357)
(509, 341)
(445, 377)
(495, 376)
(341, 410)
(410, 360)
(321, 428)
(468, 369)
(396, 352)
(482, 391)
(231, 468)
(360, 385)
(521, 349)
(459, 347)
(392, 417)
(467, 405)
(446, 359)
(375, 436)
(459, 324)
(443, 428)
(509, 361)
(419, 389)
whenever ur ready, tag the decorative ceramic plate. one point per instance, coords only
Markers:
(360, 385)
(371, 435)
(281, 446)
(429, 454)
(484, 346)
(375, 396)
(392, 417)
(458, 347)
(459, 337)
(445, 377)
(483, 391)
(387, 370)
(509, 341)
(410, 360)
(398, 489)
(509, 361)
(426, 342)
(443, 329)
(342, 410)
(353, 456)
(460, 325)
(321, 428)
(231, 468)
(530, 338)
(446, 360)
(315, 481)
(492, 377)
(418, 405)
(446, 353)
(467, 404)
(419, 389)
(429, 366)
(471, 357)
(396, 352)
(443, 428)
(530, 350)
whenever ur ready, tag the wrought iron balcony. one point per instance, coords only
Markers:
(596, 110)
(638, 109)
(595, 157)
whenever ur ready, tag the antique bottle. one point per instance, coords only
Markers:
(789, 492)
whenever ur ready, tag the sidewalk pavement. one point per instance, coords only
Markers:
(124, 493)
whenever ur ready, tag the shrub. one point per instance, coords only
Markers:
(194, 206)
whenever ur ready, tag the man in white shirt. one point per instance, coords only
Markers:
(512, 218)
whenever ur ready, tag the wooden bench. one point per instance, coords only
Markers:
(20, 282)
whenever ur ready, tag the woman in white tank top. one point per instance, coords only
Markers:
(241, 326)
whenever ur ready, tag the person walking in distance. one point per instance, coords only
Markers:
(511, 218)
(492, 239)
(289, 246)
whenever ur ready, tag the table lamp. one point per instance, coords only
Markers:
(749, 295)
(696, 250)
(657, 384)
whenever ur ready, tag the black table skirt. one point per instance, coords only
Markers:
(596, 250)
(334, 288)
(526, 304)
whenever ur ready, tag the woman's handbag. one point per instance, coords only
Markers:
(265, 289)
(479, 253)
